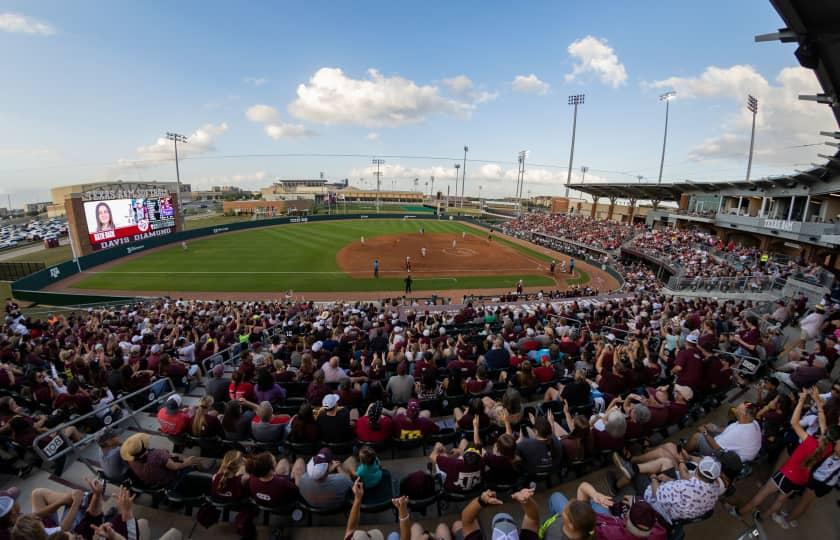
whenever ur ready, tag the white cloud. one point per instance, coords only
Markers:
(373, 136)
(530, 84)
(459, 84)
(274, 127)
(21, 24)
(783, 119)
(332, 97)
(201, 141)
(255, 81)
(593, 55)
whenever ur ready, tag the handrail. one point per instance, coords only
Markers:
(757, 284)
(59, 445)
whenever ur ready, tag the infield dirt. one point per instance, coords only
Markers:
(468, 255)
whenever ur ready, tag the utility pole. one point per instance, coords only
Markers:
(752, 106)
(178, 138)
(521, 183)
(457, 166)
(666, 97)
(378, 174)
(464, 175)
(575, 100)
(432, 189)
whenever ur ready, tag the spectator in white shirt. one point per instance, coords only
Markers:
(742, 436)
(810, 326)
(333, 373)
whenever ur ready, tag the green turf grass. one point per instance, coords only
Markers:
(252, 261)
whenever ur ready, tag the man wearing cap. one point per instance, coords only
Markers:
(114, 468)
(173, 419)
(502, 525)
(412, 423)
(218, 384)
(325, 484)
(154, 468)
(334, 421)
(636, 521)
(688, 366)
(689, 496)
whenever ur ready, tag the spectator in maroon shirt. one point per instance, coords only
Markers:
(154, 468)
(317, 389)
(545, 371)
(231, 485)
(461, 467)
(466, 367)
(205, 421)
(480, 384)
(303, 428)
(688, 366)
(475, 408)
(748, 337)
(412, 423)
(272, 483)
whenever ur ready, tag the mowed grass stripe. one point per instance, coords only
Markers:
(239, 257)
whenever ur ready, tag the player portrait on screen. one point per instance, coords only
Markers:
(104, 219)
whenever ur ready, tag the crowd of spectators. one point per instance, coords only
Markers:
(601, 234)
(500, 393)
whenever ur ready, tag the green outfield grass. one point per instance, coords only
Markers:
(297, 257)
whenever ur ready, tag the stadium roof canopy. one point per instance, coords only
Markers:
(815, 26)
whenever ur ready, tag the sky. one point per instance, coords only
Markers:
(270, 90)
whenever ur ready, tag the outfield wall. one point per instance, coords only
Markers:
(31, 288)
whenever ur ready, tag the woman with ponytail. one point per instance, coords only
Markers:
(205, 422)
(374, 427)
(793, 477)
(229, 483)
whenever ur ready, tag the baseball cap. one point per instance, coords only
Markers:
(6, 505)
(330, 401)
(317, 346)
(218, 370)
(685, 391)
(105, 435)
(173, 403)
(691, 338)
(641, 519)
(319, 465)
(504, 528)
(611, 337)
(709, 468)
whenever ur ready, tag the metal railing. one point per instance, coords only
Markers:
(53, 445)
(748, 284)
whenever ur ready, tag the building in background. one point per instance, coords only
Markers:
(36, 207)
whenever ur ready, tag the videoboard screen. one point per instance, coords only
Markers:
(120, 221)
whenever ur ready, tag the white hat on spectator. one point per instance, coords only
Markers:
(685, 391)
(317, 346)
(442, 330)
(398, 329)
(330, 401)
(136, 339)
(610, 337)
(155, 348)
(691, 338)
(426, 332)
(530, 331)
(709, 468)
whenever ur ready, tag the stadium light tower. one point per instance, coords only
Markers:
(432, 189)
(177, 138)
(521, 178)
(583, 171)
(378, 175)
(457, 166)
(666, 97)
(575, 100)
(464, 174)
(752, 106)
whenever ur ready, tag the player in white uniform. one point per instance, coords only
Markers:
(423, 251)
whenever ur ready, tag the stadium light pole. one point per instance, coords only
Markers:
(583, 171)
(752, 106)
(666, 97)
(432, 189)
(378, 162)
(522, 155)
(177, 138)
(464, 174)
(457, 167)
(575, 100)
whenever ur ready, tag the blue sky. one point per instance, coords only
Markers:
(88, 88)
